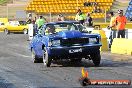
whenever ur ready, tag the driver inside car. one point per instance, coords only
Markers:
(50, 30)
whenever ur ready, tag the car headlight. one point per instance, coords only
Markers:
(92, 40)
(55, 42)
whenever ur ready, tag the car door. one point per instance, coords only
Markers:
(21, 26)
(2, 26)
(37, 43)
(17, 26)
(11, 26)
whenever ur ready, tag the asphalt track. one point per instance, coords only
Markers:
(18, 71)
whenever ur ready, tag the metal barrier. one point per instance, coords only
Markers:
(104, 41)
(122, 46)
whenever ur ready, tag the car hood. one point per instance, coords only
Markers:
(69, 34)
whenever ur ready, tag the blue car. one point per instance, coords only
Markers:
(65, 40)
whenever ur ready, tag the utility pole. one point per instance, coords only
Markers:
(7, 11)
(77, 4)
(105, 16)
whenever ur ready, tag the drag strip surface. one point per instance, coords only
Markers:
(18, 71)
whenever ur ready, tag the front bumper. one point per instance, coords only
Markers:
(73, 51)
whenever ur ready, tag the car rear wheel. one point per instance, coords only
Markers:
(6, 31)
(46, 59)
(96, 58)
(25, 31)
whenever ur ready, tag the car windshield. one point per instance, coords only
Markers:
(57, 27)
(80, 26)
(14, 23)
(22, 22)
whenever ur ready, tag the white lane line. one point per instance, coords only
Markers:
(22, 55)
(18, 54)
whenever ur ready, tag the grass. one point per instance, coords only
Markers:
(4, 1)
(11, 10)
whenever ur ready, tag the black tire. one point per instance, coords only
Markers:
(6, 31)
(25, 31)
(96, 58)
(46, 59)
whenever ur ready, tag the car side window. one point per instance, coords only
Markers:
(10, 23)
(2, 24)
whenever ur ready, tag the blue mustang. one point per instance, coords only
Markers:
(65, 40)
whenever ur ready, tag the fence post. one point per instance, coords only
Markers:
(77, 4)
(105, 16)
(7, 11)
(50, 16)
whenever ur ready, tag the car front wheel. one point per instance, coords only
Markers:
(46, 58)
(25, 31)
(6, 31)
(96, 58)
